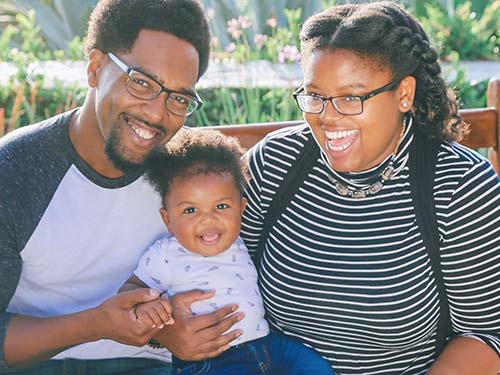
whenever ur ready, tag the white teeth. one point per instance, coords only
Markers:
(339, 148)
(340, 134)
(143, 133)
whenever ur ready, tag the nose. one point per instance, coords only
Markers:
(155, 109)
(208, 217)
(330, 113)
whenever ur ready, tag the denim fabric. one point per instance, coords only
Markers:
(114, 366)
(274, 354)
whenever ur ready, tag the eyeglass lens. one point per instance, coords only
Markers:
(143, 87)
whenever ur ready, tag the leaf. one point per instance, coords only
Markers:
(61, 23)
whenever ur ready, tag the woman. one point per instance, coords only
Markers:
(345, 267)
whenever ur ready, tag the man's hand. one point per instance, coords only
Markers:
(157, 313)
(116, 318)
(30, 339)
(193, 338)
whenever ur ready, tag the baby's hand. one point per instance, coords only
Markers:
(157, 313)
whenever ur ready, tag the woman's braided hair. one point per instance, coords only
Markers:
(392, 38)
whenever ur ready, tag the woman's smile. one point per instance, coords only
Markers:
(340, 140)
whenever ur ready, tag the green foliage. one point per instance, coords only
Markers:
(30, 103)
(22, 43)
(463, 31)
(59, 21)
(226, 105)
(469, 94)
(31, 46)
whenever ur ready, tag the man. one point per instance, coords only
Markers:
(76, 213)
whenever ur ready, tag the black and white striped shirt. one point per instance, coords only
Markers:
(351, 277)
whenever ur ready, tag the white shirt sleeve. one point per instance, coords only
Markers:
(153, 268)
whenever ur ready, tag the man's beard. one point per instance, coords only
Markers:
(117, 154)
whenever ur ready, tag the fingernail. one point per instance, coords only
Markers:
(170, 321)
(154, 293)
(234, 308)
(153, 326)
(161, 326)
(240, 317)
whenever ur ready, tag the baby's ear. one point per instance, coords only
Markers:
(243, 204)
(166, 219)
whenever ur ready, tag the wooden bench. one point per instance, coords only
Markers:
(484, 126)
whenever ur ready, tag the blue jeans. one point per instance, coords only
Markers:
(274, 354)
(113, 366)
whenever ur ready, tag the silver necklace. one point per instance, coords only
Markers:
(371, 189)
(374, 188)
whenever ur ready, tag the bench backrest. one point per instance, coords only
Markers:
(484, 126)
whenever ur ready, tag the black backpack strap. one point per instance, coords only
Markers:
(289, 186)
(422, 169)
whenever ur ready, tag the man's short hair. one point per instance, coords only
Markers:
(114, 25)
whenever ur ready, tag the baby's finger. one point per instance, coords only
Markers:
(165, 302)
(165, 315)
(156, 318)
(144, 317)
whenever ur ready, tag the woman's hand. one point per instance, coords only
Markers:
(466, 356)
(197, 337)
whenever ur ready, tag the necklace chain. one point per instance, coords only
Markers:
(371, 189)
(375, 187)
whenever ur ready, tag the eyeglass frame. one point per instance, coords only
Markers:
(127, 70)
(362, 98)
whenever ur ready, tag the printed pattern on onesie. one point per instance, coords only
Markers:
(168, 267)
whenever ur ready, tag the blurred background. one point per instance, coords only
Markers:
(255, 61)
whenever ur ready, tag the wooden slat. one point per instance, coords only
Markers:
(250, 134)
(482, 124)
(493, 100)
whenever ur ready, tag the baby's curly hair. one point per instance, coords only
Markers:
(392, 38)
(193, 152)
(114, 25)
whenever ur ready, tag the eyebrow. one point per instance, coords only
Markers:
(223, 199)
(342, 88)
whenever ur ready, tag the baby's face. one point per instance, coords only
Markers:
(204, 212)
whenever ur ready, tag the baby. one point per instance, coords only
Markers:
(201, 176)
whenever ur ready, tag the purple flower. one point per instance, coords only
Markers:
(259, 40)
(289, 54)
(236, 25)
(272, 22)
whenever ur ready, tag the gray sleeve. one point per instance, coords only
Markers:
(33, 161)
(10, 269)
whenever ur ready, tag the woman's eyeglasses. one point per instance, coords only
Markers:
(345, 105)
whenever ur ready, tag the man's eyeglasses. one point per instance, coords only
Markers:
(144, 87)
(345, 105)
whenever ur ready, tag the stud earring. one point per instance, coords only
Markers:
(405, 105)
